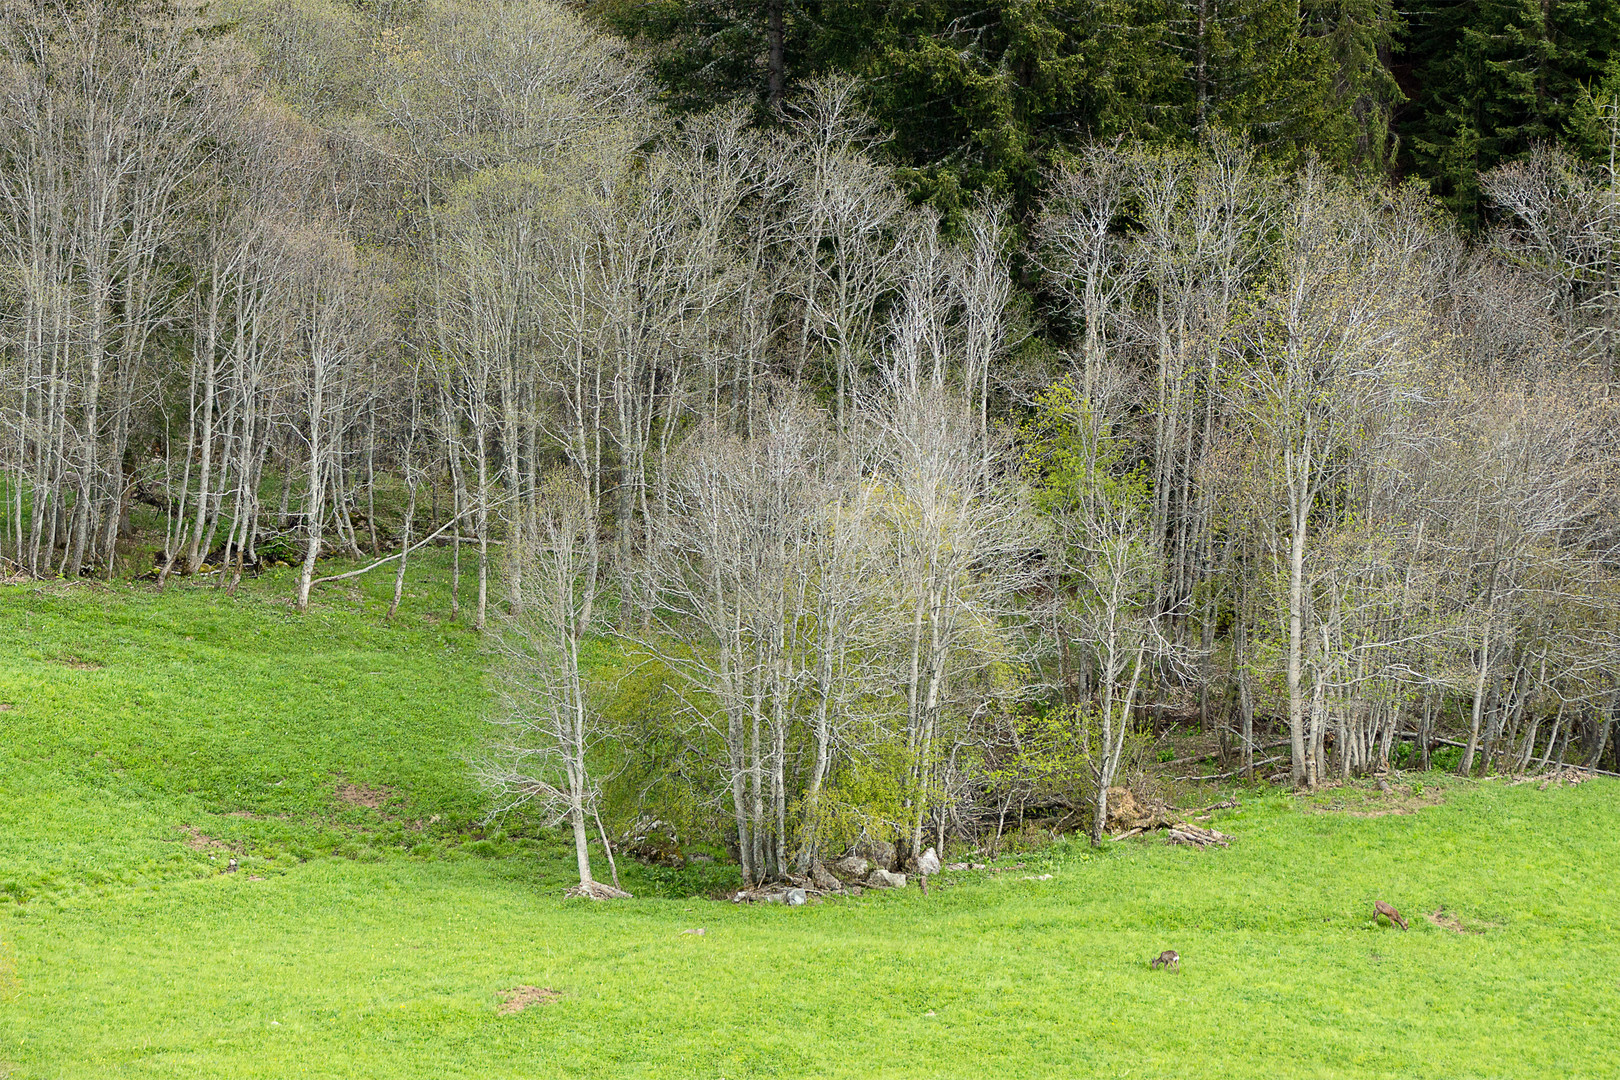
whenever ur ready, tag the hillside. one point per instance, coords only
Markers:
(150, 737)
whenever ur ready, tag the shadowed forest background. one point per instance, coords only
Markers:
(852, 420)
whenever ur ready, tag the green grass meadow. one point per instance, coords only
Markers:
(148, 737)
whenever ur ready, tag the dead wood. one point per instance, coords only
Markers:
(1224, 804)
(1195, 758)
(1193, 836)
(595, 890)
(1226, 775)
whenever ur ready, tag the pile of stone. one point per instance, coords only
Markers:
(653, 842)
(792, 896)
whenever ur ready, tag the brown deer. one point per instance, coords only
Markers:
(1170, 960)
(1381, 908)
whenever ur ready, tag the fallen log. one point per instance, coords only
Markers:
(1225, 775)
(1224, 804)
(1201, 757)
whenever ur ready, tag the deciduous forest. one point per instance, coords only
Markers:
(852, 422)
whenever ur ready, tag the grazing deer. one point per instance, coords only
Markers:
(927, 863)
(1381, 908)
(1170, 960)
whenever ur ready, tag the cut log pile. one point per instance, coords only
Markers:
(1132, 818)
(1193, 836)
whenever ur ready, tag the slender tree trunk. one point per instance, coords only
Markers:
(1466, 767)
(1296, 647)
(404, 547)
(777, 61)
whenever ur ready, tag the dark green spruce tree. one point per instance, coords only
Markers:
(1489, 79)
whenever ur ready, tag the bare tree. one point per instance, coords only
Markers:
(748, 558)
(338, 319)
(548, 724)
(957, 553)
(1322, 368)
(106, 110)
(847, 217)
(1103, 569)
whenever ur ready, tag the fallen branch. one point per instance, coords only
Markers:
(1178, 831)
(390, 558)
(1204, 813)
(1225, 775)
(1201, 757)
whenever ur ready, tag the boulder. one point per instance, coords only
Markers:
(653, 842)
(795, 898)
(824, 880)
(851, 868)
(928, 863)
(883, 879)
(880, 852)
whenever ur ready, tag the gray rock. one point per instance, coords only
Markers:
(880, 852)
(928, 863)
(654, 842)
(796, 898)
(883, 879)
(851, 867)
(823, 880)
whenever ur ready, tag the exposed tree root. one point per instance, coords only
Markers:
(597, 891)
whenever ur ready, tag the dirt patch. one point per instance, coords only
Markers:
(6, 706)
(521, 997)
(1372, 803)
(372, 798)
(197, 840)
(66, 586)
(1447, 921)
(78, 663)
(1569, 774)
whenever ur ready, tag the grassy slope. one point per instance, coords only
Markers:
(133, 957)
